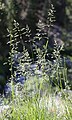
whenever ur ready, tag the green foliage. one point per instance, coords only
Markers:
(39, 102)
(36, 99)
(69, 12)
(56, 72)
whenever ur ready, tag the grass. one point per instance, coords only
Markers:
(38, 101)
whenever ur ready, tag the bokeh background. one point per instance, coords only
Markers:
(29, 12)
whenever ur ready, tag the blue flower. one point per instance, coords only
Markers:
(7, 90)
(21, 79)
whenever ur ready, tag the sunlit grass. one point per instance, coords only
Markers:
(38, 101)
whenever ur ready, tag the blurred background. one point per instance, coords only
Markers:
(29, 12)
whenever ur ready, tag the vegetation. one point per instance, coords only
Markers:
(38, 103)
(38, 87)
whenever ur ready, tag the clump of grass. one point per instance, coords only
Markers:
(36, 99)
